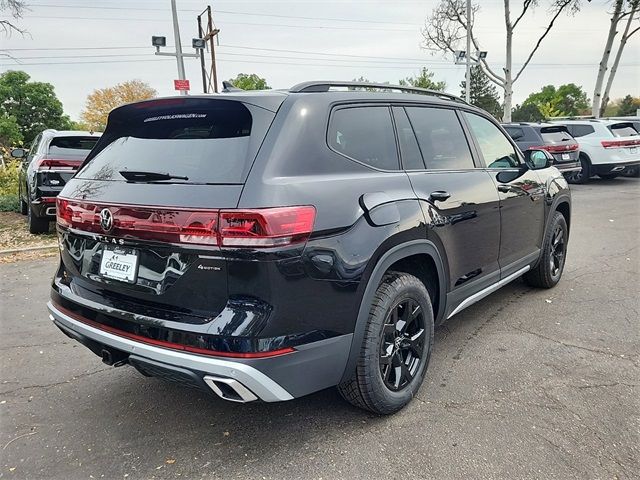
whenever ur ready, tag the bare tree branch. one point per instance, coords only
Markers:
(560, 6)
(16, 8)
(525, 6)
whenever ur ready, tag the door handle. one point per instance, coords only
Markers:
(439, 196)
(504, 188)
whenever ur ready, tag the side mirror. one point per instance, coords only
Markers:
(538, 159)
(18, 153)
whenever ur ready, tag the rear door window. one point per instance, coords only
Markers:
(623, 130)
(581, 130)
(206, 141)
(74, 146)
(555, 134)
(364, 134)
(515, 132)
(441, 139)
(409, 150)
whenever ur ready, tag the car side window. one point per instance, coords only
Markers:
(581, 130)
(441, 138)
(497, 150)
(365, 134)
(409, 150)
(34, 146)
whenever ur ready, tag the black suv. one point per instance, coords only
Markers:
(52, 159)
(555, 139)
(266, 245)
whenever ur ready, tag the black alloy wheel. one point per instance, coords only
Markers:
(402, 345)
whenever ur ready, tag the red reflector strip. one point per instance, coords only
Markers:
(620, 143)
(53, 163)
(48, 199)
(570, 147)
(172, 345)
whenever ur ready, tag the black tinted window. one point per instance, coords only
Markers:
(497, 150)
(71, 145)
(365, 134)
(515, 132)
(555, 134)
(409, 151)
(623, 130)
(581, 130)
(207, 143)
(441, 138)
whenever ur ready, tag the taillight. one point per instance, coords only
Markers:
(569, 147)
(269, 227)
(620, 143)
(55, 164)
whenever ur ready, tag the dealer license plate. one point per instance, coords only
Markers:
(565, 156)
(119, 264)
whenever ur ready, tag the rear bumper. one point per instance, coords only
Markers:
(617, 167)
(310, 368)
(566, 167)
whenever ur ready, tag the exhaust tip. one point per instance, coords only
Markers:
(230, 389)
(50, 211)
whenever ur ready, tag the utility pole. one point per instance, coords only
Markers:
(210, 37)
(467, 91)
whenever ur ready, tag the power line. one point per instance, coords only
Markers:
(228, 12)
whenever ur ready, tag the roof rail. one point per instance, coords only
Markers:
(324, 86)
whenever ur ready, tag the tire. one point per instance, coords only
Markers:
(582, 176)
(554, 253)
(37, 225)
(394, 356)
(608, 176)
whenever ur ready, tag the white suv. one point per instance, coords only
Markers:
(607, 147)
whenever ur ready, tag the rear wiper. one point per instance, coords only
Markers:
(140, 176)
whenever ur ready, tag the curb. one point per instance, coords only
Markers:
(27, 249)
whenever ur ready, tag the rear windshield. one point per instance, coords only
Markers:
(73, 146)
(210, 141)
(623, 130)
(555, 134)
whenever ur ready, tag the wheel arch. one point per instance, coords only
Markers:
(407, 257)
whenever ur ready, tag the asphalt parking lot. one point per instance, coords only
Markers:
(525, 384)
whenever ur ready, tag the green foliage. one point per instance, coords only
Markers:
(34, 105)
(9, 186)
(526, 113)
(483, 93)
(424, 80)
(628, 106)
(568, 100)
(547, 110)
(249, 81)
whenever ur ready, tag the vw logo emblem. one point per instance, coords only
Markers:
(106, 220)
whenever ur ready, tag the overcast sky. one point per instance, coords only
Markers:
(82, 45)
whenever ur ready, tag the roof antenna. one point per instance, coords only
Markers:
(229, 87)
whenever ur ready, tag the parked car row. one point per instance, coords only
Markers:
(584, 148)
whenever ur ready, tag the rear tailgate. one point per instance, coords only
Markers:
(148, 246)
(626, 142)
(560, 143)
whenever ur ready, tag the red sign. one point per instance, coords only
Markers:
(181, 85)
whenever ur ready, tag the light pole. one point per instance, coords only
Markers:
(467, 91)
(197, 43)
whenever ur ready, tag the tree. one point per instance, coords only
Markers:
(569, 100)
(249, 81)
(10, 136)
(101, 101)
(424, 80)
(628, 106)
(482, 93)
(34, 105)
(16, 8)
(527, 113)
(447, 26)
(629, 9)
